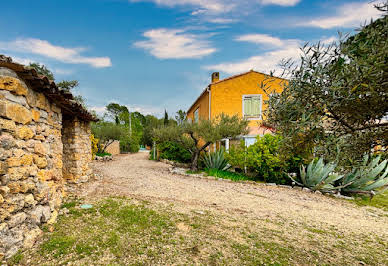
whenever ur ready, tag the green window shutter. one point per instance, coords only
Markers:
(252, 106)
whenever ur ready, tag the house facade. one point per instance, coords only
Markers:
(240, 94)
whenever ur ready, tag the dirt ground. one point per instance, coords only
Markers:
(135, 176)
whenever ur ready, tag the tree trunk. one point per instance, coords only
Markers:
(194, 161)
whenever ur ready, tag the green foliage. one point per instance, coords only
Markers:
(226, 175)
(180, 117)
(334, 103)
(102, 154)
(129, 144)
(378, 201)
(216, 160)
(318, 176)
(68, 85)
(173, 151)
(189, 135)
(42, 70)
(367, 178)
(263, 159)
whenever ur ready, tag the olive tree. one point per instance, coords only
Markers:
(336, 101)
(197, 136)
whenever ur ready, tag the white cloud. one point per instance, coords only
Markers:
(266, 62)
(280, 2)
(265, 39)
(63, 54)
(221, 20)
(143, 109)
(348, 15)
(175, 44)
(216, 6)
(329, 40)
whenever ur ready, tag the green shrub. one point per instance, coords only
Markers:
(215, 160)
(263, 160)
(102, 154)
(174, 152)
(129, 144)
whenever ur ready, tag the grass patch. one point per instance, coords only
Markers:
(120, 231)
(102, 154)
(227, 175)
(378, 201)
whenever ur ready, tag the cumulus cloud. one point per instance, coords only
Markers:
(62, 54)
(175, 44)
(268, 61)
(347, 16)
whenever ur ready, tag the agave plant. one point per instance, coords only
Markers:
(216, 160)
(368, 178)
(318, 176)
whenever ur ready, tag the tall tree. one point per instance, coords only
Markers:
(165, 118)
(196, 137)
(119, 113)
(336, 99)
(180, 116)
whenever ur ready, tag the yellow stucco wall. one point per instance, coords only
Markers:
(203, 105)
(227, 95)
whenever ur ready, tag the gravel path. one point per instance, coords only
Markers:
(137, 177)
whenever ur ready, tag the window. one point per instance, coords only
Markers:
(252, 106)
(196, 115)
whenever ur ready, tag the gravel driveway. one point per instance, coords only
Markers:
(135, 176)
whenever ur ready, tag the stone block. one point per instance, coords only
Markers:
(13, 84)
(7, 142)
(40, 214)
(4, 190)
(41, 162)
(14, 162)
(39, 148)
(17, 219)
(29, 200)
(3, 168)
(18, 113)
(13, 98)
(35, 115)
(24, 133)
(7, 125)
(31, 237)
(42, 102)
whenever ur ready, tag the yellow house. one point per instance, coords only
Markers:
(240, 94)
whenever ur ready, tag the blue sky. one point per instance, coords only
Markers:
(152, 55)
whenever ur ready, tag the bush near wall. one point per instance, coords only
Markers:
(263, 161)
(174, 152)
(129, 144)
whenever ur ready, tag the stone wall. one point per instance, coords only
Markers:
(31, 161)
(77, 152)
(113, 148)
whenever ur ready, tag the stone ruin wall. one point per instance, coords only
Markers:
(77, 151)
(31, 161)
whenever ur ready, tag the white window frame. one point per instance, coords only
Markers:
(196, 111)
(261, 106)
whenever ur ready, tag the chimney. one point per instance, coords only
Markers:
(215, 77)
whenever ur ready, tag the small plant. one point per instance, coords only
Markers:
(318, 176)
(94, 143)
(226, 175)
(216, 160)
(368, 178)
(102, 154)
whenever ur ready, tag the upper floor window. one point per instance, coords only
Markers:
(196, 115)
(252, 106)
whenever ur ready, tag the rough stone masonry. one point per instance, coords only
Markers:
(44, 143)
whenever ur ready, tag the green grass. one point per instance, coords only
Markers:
(379, 201)
(226, 175)
(121, 231)
(102, 154)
